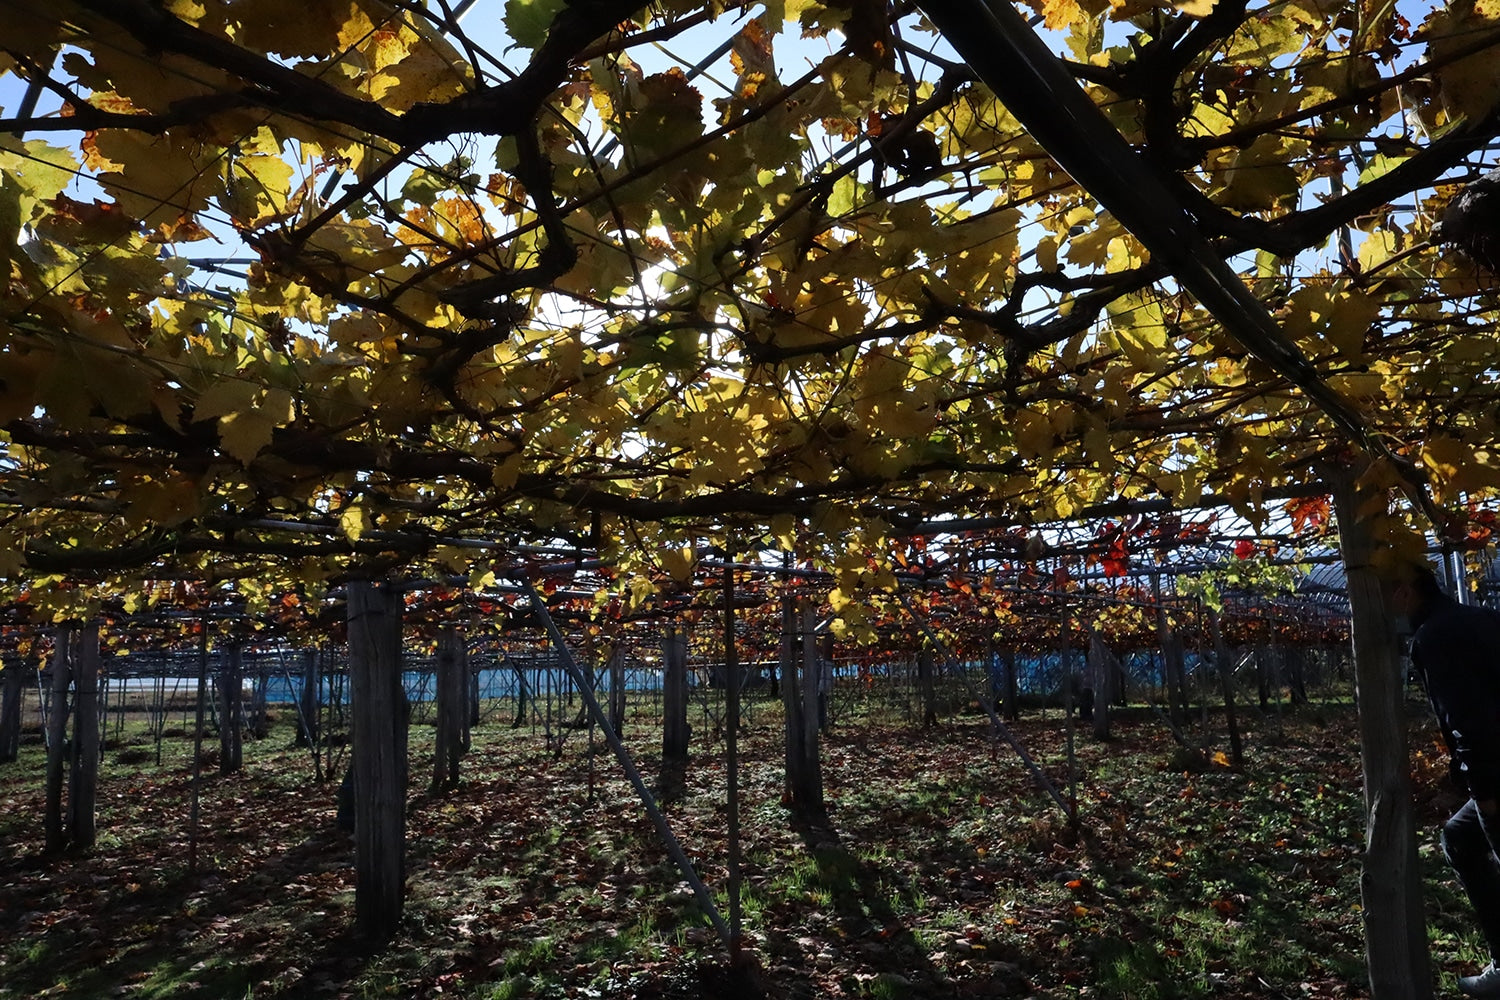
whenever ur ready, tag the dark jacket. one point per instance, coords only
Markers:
(1456, 650)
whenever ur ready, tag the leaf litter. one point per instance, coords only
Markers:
(943, 871)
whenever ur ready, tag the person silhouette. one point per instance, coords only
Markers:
(1455, 651)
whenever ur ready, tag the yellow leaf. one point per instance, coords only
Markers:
(641, 590)
(1457, 467)
(784, 527)
(1140, 329)
(257, 188)
(164, 502)
(246, 433)
(298, 28)
(1123, 254)
(426, 67)
(1058, 14)
(1377, 248)
(1090, 248)
(504, 475)
(1033, 433)
(1046, 253)
(226, 396)
(354, 522)
(148, 183)
(1349, 322)
(678, 563)
(1220, 758)
(1469, 88)
(1259, 178)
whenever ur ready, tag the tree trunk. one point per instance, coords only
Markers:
(674, 734)
(378, 710)
(927, 687)
(1390, 884)
(85, 777)
(57, 744)
(231, 686)
(12, 683)
(452, 710)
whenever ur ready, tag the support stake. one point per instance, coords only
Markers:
(627, 764)
(989, 708)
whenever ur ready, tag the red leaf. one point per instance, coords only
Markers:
(1117, 559)
(1308, 512)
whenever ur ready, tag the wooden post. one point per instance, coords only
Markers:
(309, 701)
(1390, 884)
(674, 733)
(231, 687)
(85, 777)
(732, 762)
(12, 679)
(378, 717)
(195, 804)
(57, 748)
(452, 691)
(616, 667)
(926, 686)
(791, 697)
(1064, 631)
(809, 797)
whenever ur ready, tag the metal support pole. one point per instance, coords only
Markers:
(627, 764)
(989, 708)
